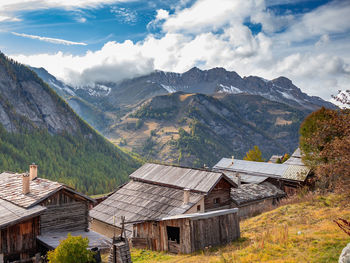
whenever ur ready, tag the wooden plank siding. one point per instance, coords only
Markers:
(19, 241)
(65, 212)
(194, 234)
(222, 191)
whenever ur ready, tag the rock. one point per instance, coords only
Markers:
(345, 255)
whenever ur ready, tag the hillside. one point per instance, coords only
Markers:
(197, 129)
(303, 231)
(36, 125)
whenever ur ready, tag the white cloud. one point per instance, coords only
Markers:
(8, 8)
(124, 15)
(208, 34)
(50, 40)
(162, 14)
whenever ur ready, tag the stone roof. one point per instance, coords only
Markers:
(248, 193)
(179, 177)
(140, 201)
(40, 189)
(11, 214)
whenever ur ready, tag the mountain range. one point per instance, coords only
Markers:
(195, 117)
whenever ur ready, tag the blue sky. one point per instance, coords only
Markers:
(83, 41)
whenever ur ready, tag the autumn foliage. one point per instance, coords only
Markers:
(325, 141)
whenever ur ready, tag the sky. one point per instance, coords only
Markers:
(84, 41)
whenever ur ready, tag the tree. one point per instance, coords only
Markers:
(71, 250)
(254, 155)
(325, 142)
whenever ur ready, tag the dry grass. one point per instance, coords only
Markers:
(301, 230)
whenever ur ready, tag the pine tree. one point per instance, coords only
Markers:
(254, 155)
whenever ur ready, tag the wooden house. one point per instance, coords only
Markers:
(18, 230)
(157, 191)
(187, 233)
(62, 211)
(287, 176)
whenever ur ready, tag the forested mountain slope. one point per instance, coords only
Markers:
(36, 125)
(198, 129)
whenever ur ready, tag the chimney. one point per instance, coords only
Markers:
(186, 196)
(238, 180)
(25, 183)
(33, 171)
(233, 158)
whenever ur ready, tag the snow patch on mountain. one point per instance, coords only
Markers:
(231, 89)
(169, 89)
(63, 87)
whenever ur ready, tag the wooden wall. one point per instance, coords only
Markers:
(19, 241)
(256, 208)
(65, 211)
(214, 231)
(222, 191)
(194, 234)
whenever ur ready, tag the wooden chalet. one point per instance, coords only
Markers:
(46, 212)
(158, 191)
(187, 233)
(286, 176)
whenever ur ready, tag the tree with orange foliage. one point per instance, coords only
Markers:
(325, 142)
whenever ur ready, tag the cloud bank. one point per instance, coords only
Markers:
(311, 49)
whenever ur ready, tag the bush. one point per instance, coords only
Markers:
(71, 250)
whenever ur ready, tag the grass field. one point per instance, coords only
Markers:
(302, 231)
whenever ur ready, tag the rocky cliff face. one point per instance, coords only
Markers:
(26, 102)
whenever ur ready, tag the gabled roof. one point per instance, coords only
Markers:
(248, 193)
(273, 170)
(139, 201)
(295, 159)
(40, 189)
(11, 214)
(179, 177)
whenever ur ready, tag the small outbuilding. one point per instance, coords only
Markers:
(253, 199)
(188, 232)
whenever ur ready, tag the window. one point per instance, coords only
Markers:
(217, 200)
(198, 208)
(173, 233)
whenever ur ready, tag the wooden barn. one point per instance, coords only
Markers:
(62, 211)
(19, 228)
(187, 233)
(287, 176)
(157, 191)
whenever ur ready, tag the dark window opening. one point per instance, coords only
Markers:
(217, 200)
(198, 207)
(173, 233)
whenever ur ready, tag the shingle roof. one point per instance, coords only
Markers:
(139, 201)
(193, 179)
(11, 214)
(262, 169)
(11, 190)
(247, 193)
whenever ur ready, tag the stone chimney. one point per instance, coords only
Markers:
(186, 196)
(25, 183)
(233, 158)
(238, 180)
(33, 171)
